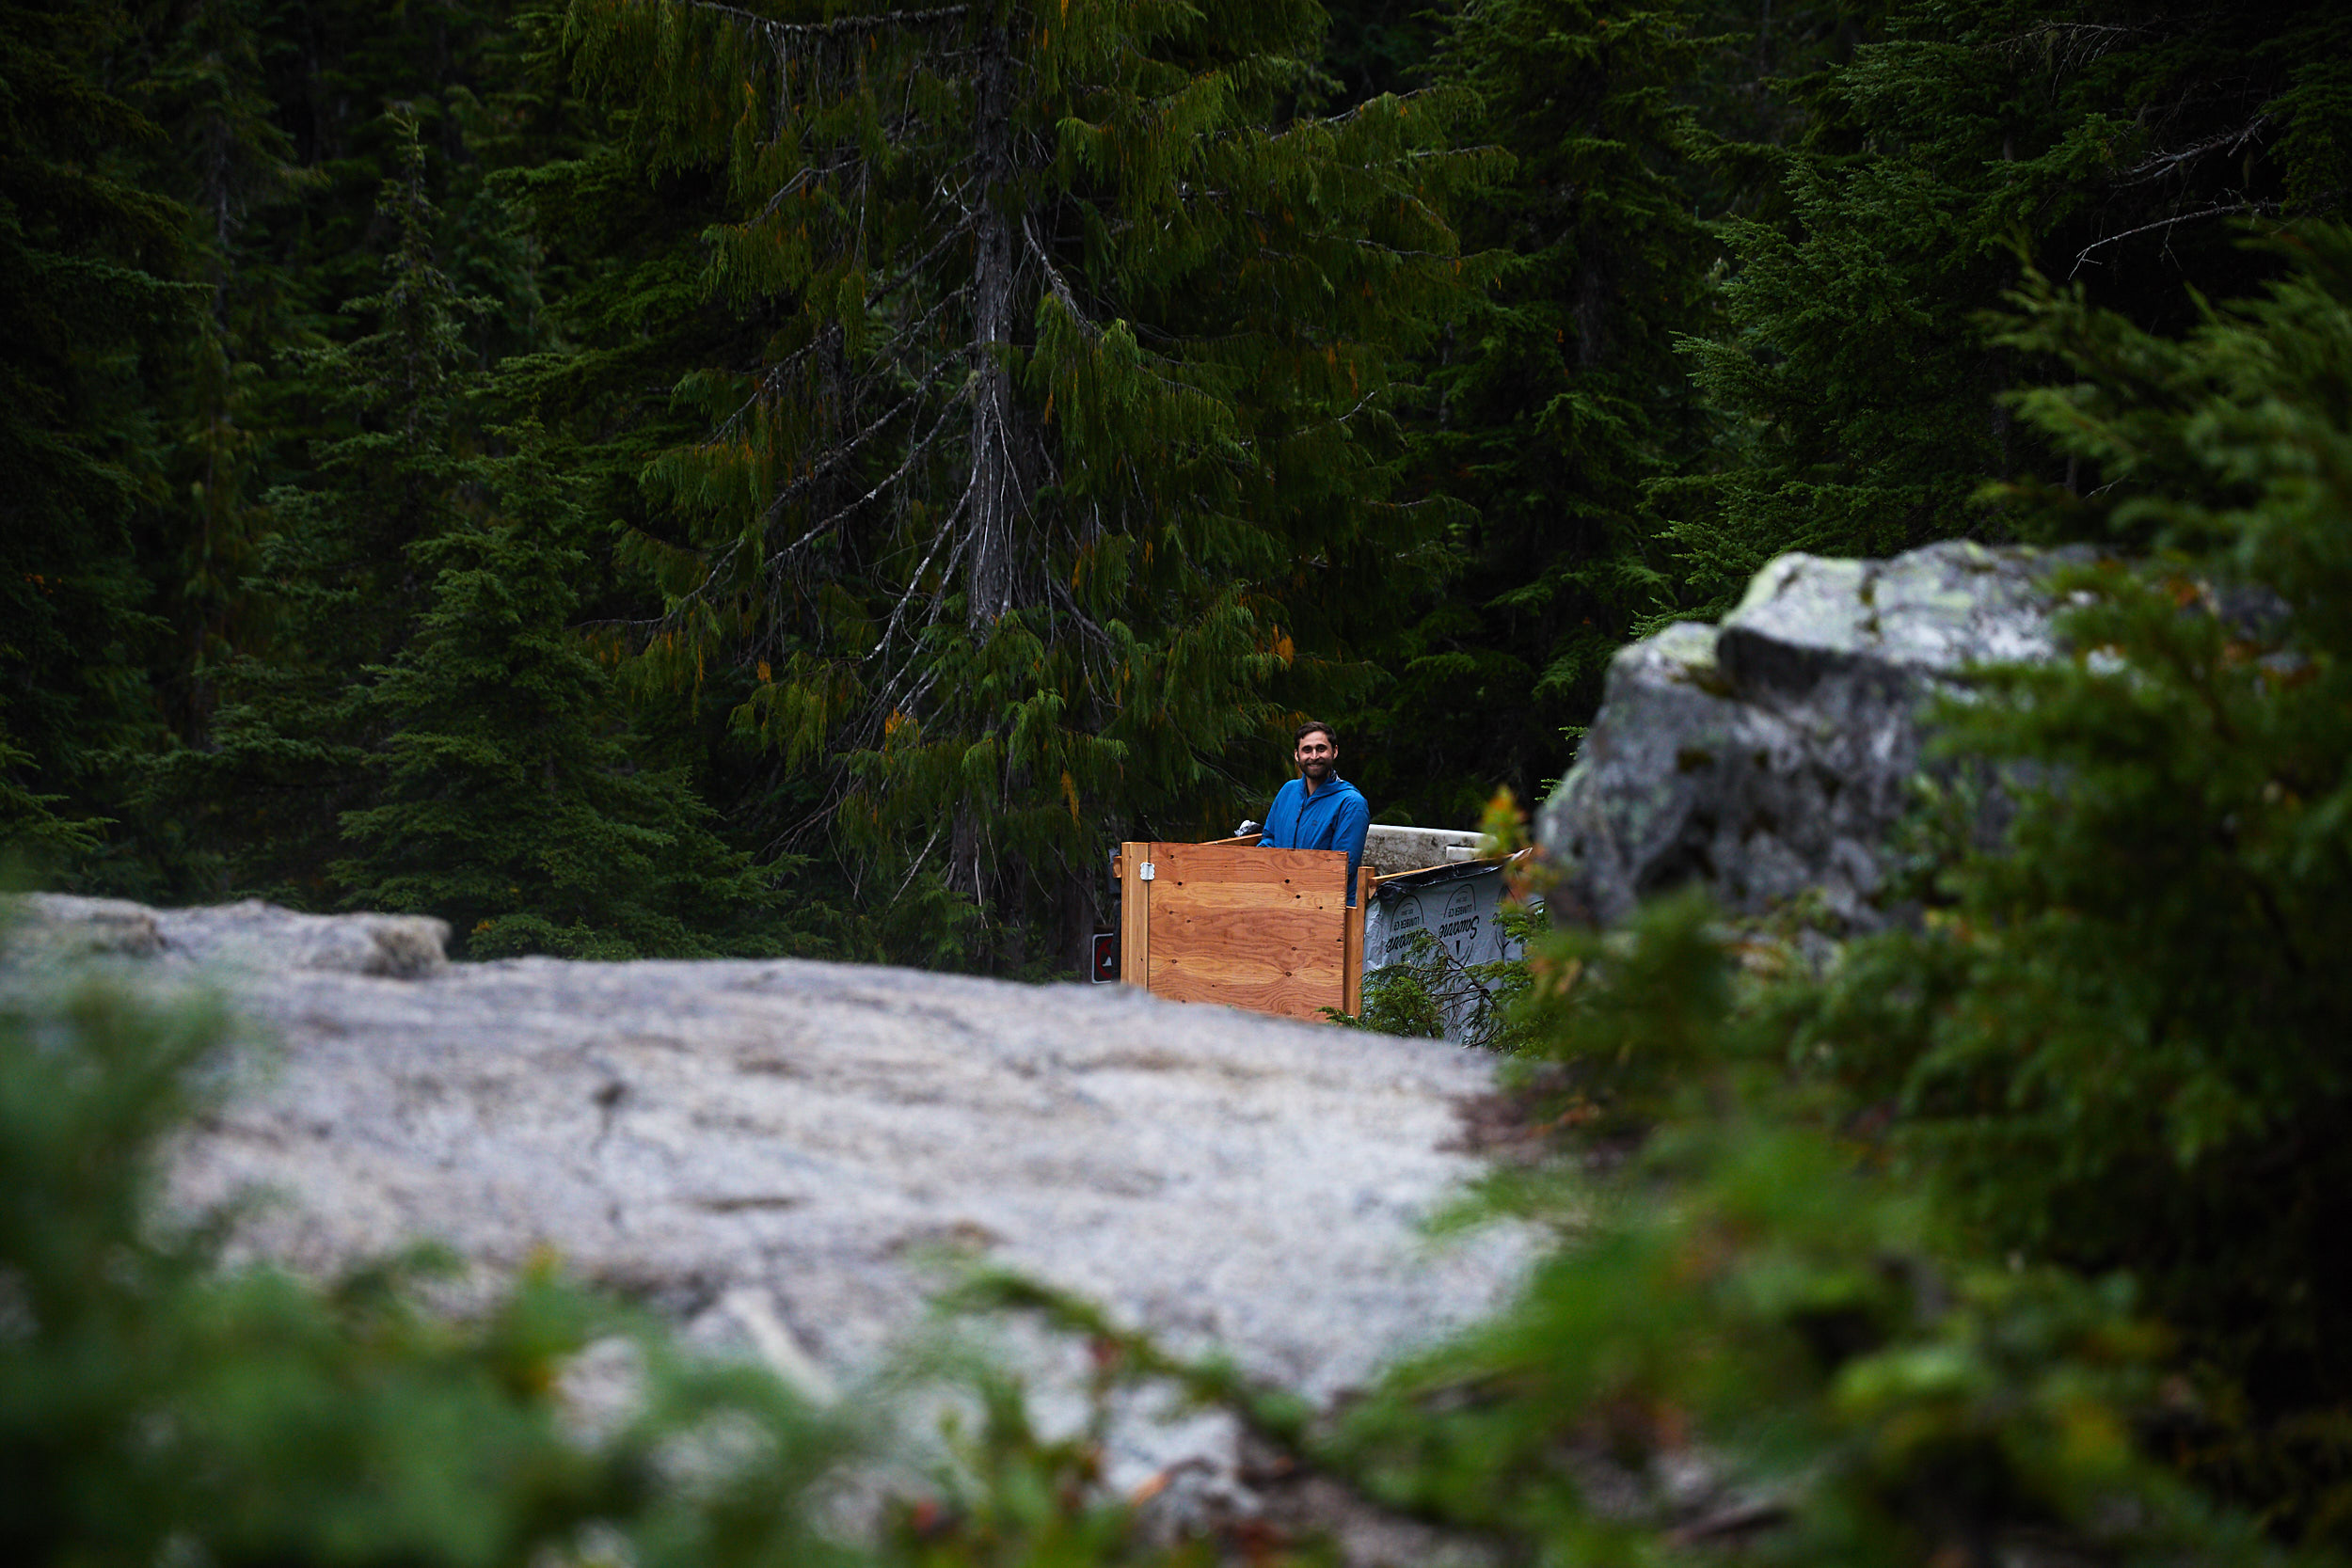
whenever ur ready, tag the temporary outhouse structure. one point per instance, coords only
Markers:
(1276, 931)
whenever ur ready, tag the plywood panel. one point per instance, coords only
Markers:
(1282, 997)
(1207, 896)
(1247, 941)
(1266, 930)
(1240, 864)
(1135, 917)
(1258, 928)
(1286, 962)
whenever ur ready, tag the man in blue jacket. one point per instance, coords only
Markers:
(1319, 810)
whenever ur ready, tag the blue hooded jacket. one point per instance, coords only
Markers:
(1333, 817)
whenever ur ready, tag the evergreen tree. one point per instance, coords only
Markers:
(332, 69)
(1376, 46)
(91, 261)
(511, 803)
(1560, 398)
(229, 160)
(1067, 428)
(626, 318)
(2111, 142)
(288, 749)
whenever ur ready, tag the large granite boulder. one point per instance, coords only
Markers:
(790, 1158)
(1772, 755)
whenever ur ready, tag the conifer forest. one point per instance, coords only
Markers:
(668, 478)
(804, 478)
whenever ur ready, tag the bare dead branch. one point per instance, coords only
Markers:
(841, 451)
(887, 484)
(1055, 281)
(845, 27)
(2222, 210)
(2154, 168)
(946, 530)
(2079, 43)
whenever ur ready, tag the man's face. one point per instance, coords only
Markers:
(1315, 756)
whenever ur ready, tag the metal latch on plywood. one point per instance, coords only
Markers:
(1144, 871)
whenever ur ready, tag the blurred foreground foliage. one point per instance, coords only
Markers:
(2014, 1235)
(1755, 1338)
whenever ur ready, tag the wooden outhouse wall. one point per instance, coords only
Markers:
(1267, 929)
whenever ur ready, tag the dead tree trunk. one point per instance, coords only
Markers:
(996, 502)
(998, 496)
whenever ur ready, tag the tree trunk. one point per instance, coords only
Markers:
(1591, 308)
(997, 503)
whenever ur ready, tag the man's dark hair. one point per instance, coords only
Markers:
(1311, 726)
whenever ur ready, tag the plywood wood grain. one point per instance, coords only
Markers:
(1256, 962)
(1196, 894)
(1239, 864)
(1266, 930)
(1258, 928)
(1135, 917)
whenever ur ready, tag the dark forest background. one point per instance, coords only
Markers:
(641, 477)
(660, 478)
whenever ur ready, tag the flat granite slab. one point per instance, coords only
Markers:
(779, 1154)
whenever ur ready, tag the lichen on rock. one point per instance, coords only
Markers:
(1772, 756)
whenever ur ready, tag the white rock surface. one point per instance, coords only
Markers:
(1770, 757)
(1390, 850)
(235, 940)
(779, 1153)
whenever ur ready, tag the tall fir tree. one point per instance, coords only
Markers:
(511, 800)
(1067, 430)
(1371, 47)
(627, 317)
(288, 748)
(229, 162)
(93, 263)
(1559, 396)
